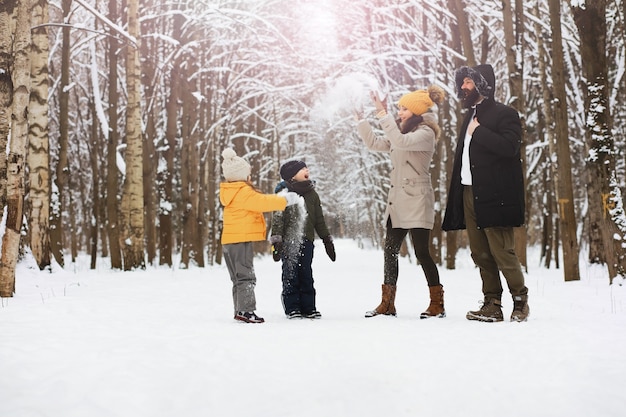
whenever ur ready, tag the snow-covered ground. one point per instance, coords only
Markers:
(163, 343)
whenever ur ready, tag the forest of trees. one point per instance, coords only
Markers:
(114, 114)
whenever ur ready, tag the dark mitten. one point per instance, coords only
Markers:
(276, 247)
(330, 247)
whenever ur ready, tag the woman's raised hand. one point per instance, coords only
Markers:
(378, 103)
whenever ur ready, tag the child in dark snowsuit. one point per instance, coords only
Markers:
(293, 232)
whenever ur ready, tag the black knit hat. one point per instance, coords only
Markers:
(290, 169)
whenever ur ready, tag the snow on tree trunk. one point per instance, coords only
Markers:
(606, 210)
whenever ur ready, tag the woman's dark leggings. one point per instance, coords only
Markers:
(421, 240)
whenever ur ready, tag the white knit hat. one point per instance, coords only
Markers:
(234, 167)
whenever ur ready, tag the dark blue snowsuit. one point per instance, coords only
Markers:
(297, 229)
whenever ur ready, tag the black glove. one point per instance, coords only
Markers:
(276, 247)
(330, 247)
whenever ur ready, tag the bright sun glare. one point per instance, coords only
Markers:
(318, 26)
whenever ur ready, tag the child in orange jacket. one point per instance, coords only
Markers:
(243, 224)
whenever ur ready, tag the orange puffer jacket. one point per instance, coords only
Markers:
(243, 211)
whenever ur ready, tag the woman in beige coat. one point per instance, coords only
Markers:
(410, 141)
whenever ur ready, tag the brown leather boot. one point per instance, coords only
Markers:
(386, 306)
(435, 309)
(521, 311)
(490, 312)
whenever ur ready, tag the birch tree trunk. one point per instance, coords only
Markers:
(7, 10)
(6, 89)
(132, 230)
(565, 194)
(606, 210)
(38, 156)
(17, 150)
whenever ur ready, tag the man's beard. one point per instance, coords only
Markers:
(470, 98)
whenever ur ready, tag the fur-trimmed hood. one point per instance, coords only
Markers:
(431, 120)
(483, 77)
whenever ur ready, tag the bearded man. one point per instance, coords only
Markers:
(486, 195)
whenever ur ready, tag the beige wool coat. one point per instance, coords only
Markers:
(411, 199)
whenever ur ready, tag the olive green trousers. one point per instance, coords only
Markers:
(493, 250)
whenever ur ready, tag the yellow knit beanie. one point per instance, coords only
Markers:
(418, 102)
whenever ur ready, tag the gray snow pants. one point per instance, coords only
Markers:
(239, 258)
